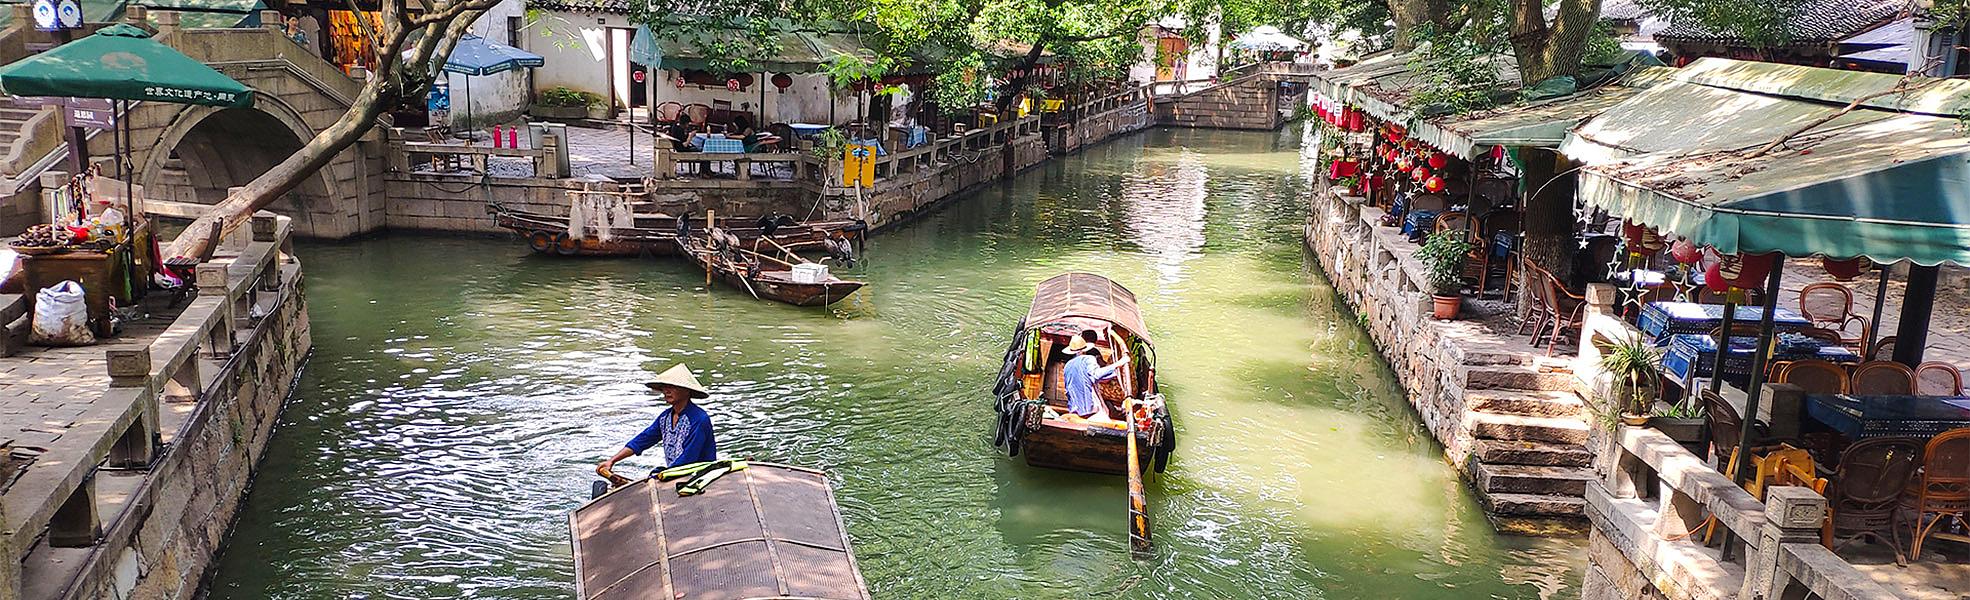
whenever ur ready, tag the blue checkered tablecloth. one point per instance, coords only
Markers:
(721, 144)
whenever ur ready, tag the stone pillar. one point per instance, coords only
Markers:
(76, 524)
(1792, 515)
(167, 21)
(1787, 406)
(23, 14)
(137, 15)
(10, 564)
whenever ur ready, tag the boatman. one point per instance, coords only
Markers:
(1081, 374)
(684, 429)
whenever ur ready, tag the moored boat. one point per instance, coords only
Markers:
(775, 273)
(656, 234)
(1032, 399)
(764, 531)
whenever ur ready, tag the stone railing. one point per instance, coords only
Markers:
(803, 168)
(170, 401)
(1653, 501)
(436, 158)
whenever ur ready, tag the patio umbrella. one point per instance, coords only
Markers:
(121, 62)
(1267, 38)
(475, 56)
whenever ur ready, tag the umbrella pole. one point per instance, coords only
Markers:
(1758, 361)
(1918, 304)
(1880, 298)
(470, 138)
(1723, 345)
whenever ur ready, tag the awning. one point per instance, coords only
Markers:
(1541, 124)
(1267, 39)
(1338, 84)
(1889, 182)
(479, 56)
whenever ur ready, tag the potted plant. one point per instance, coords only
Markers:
(1631, 365)
(599, 108)
(1443, 255)
(1682, 421)
(562, 102)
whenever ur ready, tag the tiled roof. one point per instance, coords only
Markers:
(1814, 21)
(619, 7)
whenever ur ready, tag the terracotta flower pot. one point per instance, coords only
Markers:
(1445, 307)
(1634, 419)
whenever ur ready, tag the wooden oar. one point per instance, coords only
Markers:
(1138, 501)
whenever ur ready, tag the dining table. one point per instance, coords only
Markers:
(1661, 320)
(1690, 356)
(1860, 417)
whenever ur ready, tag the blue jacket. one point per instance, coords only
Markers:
(687, 439)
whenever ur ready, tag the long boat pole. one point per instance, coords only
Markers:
(1138, 501)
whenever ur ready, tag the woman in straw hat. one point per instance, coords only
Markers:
(684, 429)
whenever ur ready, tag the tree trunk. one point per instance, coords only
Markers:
(1548, 210)
(1412, 14)
(1545, 51)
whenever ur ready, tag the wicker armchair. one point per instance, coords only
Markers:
(1815, 377)
(1866, 489)
(1831, 305)
(1935, 378)
(1942, 490)
(1882, 378)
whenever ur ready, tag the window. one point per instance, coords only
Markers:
(513, 26)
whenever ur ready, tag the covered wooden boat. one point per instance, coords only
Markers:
(768, 531)
(1032, 398)
(656, 234)
(744, 265)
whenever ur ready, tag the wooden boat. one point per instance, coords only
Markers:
(655, 234)
(742, 265)
(1032, 399)
(768, 531)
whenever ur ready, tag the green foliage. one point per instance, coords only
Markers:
(1603, 46)
(1459, 72)
(567, 97)
(1632, 363)
(1762, 23)
(1444, 254)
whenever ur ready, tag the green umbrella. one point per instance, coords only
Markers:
(121, 62)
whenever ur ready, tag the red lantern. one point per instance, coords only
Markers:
(1685, 252)
(1746, 271)
(1642, 239)
(1433, 184)
(1341, 169)
(1356, 123)
(1421, 173)
(1497, 153)
(1437, 160)
(1402, 164)
(1713, 277)
(782, 81)
(680, 81)
(1846, 270)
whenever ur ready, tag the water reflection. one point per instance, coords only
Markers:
(462, 389)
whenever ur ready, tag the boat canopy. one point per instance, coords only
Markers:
(768, 531)
(1086, 295)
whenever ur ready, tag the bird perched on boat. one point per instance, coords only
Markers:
(683, 427)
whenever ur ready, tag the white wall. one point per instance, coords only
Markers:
(806, 101)
(575, 46)
(493, 98)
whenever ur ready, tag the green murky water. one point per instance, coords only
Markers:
(461, 390)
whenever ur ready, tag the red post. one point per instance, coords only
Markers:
(499, 141)
(512, 137)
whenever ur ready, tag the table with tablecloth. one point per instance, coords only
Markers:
(1660, 320)
(1860, 417)
(1690, 356)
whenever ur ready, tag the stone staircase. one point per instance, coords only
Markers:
(1529, 459)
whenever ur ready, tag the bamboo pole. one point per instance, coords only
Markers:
(711, 225)
(1138, 500)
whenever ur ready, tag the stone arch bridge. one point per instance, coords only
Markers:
(194, 154)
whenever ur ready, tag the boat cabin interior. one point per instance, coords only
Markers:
(1115, 344)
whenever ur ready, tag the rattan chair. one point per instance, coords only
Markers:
(1866, 489)
(1815, 377)
(1831, 305)
(1883, 349)
(1935, 378)
(1822, 334)
(1564, 309)
(1942, 490)
(667, 112)
(1882, 378)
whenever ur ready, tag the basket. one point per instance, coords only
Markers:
(39, 250)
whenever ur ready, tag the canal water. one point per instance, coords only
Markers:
(461, 391)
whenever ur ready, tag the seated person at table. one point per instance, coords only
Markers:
(742, 130)
(1080, 375)
(680, 134)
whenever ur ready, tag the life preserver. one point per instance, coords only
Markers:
(541, 242)
(566, 246)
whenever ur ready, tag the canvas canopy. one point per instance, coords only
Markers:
(121, 62)
(1889, 180)
(1267, 39)
(475, 55)
(1086, 295)
(1542, 124)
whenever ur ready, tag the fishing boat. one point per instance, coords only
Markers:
(766, 269)
(1033, 419)
(655, 234)
(765, 531)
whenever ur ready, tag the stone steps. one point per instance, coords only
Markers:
(1559, 430)
(1533, 480)
(1518, 377)
(1534, 505)
(1518, 452)
(1532, 403)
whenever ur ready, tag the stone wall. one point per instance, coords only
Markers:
(1250, 102)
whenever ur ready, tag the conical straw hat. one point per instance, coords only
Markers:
(680, 377)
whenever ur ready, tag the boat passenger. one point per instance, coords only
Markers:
(683, 428)
(1082, 372)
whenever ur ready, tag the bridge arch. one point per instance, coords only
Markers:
(202, 151)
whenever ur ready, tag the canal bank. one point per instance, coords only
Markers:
(463, 389)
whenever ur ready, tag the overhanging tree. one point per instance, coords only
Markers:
(411, 46)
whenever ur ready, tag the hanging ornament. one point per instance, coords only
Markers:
(1433, 184)
(1641, 239)
(1746, 271)
(1437, 160)
(680, 81)
(1420, 174)
(1356, 122)
(1403, 164)
(1847, 269)
(732, 85)
(1685, 252)
(1497, 153)
(782, 81)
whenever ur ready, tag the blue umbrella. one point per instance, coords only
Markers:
(475, 56)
